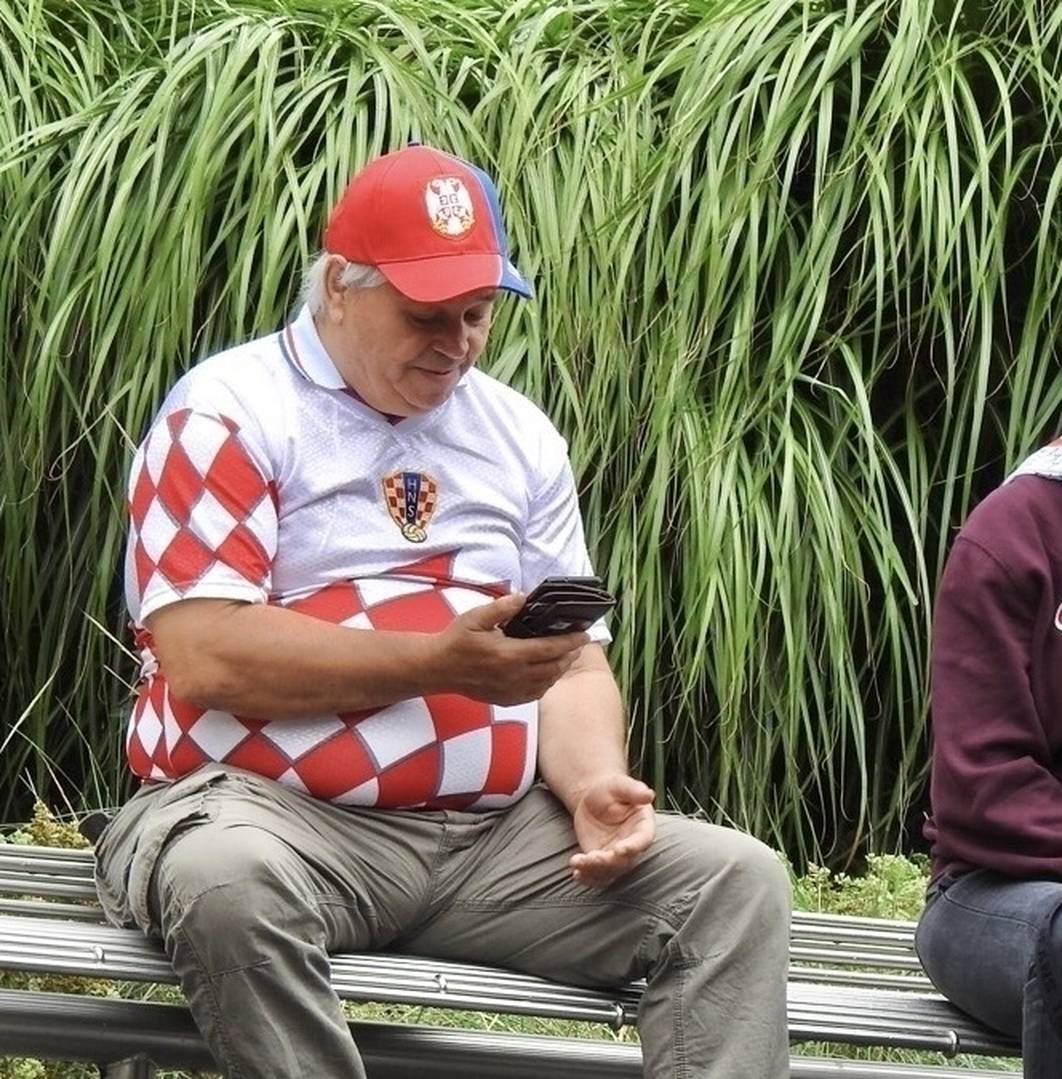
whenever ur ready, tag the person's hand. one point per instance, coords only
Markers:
(614, 825)
(477, 660)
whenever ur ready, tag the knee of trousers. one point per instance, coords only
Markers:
(234, 895)
(741, 883)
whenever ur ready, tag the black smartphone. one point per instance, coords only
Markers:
(560, 605)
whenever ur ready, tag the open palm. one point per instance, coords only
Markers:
(614, 824)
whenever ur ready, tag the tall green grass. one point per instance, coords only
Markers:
(798, 267)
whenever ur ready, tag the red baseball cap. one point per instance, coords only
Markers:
(429, 222)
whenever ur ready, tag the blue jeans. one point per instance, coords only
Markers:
(993, 946)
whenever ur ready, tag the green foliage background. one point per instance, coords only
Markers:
(798, 266)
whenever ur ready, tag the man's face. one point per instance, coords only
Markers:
(403, 357)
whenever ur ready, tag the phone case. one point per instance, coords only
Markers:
(560, 605)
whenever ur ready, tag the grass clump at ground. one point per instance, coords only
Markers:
(45, 829)
(892, 886)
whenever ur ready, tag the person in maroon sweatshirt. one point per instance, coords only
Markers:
(990, 937)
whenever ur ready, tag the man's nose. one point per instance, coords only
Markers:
(453, 343)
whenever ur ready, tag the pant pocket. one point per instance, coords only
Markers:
(132, 842)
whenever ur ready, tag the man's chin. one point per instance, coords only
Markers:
(431, 397)
(421, 405)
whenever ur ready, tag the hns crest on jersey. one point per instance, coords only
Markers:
(411, 499)
(449, 206)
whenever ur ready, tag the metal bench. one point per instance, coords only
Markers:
(853, 981)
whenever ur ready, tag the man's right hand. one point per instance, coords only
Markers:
(477, 660)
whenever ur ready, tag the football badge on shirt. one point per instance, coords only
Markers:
(449, 206)
(411, 498)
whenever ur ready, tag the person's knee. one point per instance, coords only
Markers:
(730, 895)
(740, 858)
(765, 869)
(233, 883)
(745, 877)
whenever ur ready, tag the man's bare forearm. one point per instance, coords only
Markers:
(272, 663)
(582, 731)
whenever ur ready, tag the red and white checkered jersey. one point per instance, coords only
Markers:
(265, 479)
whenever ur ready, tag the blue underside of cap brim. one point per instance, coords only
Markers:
(513, 281)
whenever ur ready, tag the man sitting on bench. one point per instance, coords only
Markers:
(340, 748)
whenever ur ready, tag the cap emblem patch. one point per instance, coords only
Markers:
(411, 498)
(450, 207)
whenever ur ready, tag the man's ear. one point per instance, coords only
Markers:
(334, 292)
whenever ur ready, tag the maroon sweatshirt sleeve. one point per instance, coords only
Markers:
(996, 791)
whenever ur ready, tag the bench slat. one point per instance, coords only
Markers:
(36, 908)
(99, 1031)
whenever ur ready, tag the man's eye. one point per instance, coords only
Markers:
(422, 320)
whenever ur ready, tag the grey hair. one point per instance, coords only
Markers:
(353, 275)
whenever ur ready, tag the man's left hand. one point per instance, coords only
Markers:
(614, 824)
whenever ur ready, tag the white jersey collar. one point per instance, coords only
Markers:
(304, 350)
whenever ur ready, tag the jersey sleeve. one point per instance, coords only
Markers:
(203, 514)
(554, 544)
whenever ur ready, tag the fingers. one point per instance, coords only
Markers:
(599, 868)
(492, 614)
(614, 825)
(622, 851)
(556, 662)
(481, 662)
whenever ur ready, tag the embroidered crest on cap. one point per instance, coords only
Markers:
(449, 207)
(411, 498)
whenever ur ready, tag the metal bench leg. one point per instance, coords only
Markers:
(138, 1067)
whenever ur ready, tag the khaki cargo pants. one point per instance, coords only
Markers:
(250, 885)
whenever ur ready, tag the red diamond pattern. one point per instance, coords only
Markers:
(260, 755)
(418, 740)
(145, 567)
(242, 548)
(336, 765)
(139, 758)
(439, 567)
(180, 484)
(508, 749)
(234, 480)
(194, 479)
(186, 755)
(336, 603)
(454, 714)
(143, 493)
(412, 781)
(185, 560)
(427, 610)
